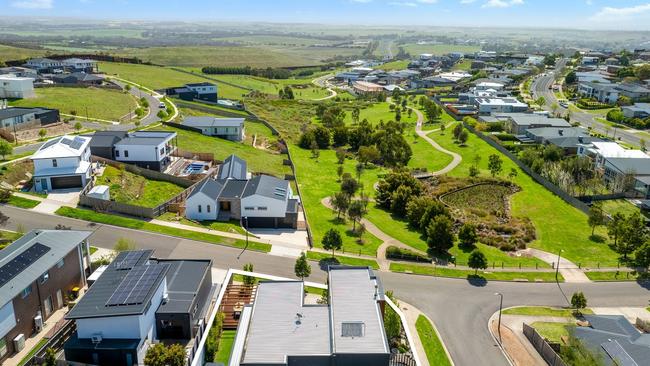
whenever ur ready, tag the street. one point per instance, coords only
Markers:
(459, 308)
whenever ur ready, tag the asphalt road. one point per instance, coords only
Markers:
(540, 87)
(460, 309)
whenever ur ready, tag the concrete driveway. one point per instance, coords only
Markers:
(58, 198)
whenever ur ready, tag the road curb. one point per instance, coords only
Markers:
(503, 351)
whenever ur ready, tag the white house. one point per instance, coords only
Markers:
(500, 105)
(78, 64)
(146, 149)
(604, 93)
(63, 162)
(45, 65)
(14, 87)
(22, 72)
(228, 128)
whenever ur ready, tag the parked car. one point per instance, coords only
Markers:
(162, 105)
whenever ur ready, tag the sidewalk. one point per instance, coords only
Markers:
(568, 269)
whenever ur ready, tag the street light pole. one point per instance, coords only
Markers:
(557, 265)
(500, 308)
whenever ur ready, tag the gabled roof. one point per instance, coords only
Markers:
(233, 168)
(79, 76)
(267, 186)
(58, 243)
(637, 166)
(206, 121)
(62, 147)
(209, 187)
(614, 337)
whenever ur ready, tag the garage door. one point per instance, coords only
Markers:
(66, 182)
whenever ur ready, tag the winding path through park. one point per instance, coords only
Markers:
(457, 159)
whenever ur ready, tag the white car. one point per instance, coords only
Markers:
(162, 105)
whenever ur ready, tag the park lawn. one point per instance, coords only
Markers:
(311, 92)
(232, 226)
(22, 202)
(381, 112)
(612, 275)
(105, 104)
(552, 331)
(317, 179)
(558, 224)
(102, 218)
(424, 155)
(430, 270)
(225, 346)
(126, 187)
(348, 261)
(622, 206)
(154, 77)
(393, 65)
(438, 49)
(431, 342)
(258, 160)
(543, 311)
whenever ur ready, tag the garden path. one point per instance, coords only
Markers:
(569, 270)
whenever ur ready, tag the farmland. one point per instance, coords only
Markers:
(438, 49)
(150, 76)
(14, 53)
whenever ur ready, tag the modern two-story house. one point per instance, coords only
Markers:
(139, 300)
(22, 118)
(228, 128)
(38, 272)
(203, 91)
(79, 65)
(63, 162)
(146, 149)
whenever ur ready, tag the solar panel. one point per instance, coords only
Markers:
(129, 260)
(77, 143)
(23, 260)
(50, 143)
(136, 285)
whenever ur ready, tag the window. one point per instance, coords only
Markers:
(60, 263)
(26, 291)
(54, 163)
(352, 329)
(207, 208)
(126, 153)
(117, 153)
(199, 208)
(45, 277)
(249, 208)
(261, 208)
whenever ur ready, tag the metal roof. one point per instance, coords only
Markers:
(206, 121)
(233, 188)
(209, 187)
(59, 244)
(615, 338)
(62, 147)
(146, 138)
(267, 186)
(233, 168)
(106, 138)
(638, 166)
(20, 111)
(184, 280)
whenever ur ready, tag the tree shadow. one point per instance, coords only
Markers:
(597, 238)
(477, 280)
(337, 221)
(326, 262)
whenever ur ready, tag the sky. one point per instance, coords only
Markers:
(585, 14)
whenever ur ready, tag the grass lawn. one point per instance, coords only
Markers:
(229, 227)
(16, 156)
(425, 156)
(22, 202)
(8, 53)
(33, 351)
(99, 103)
(431, 342)
(464, 65)
(154, 77)
(93, 250)
(8, 237)
(438, 49)
(258, 160)
(314, 290)
(122, 221)
(612, 276)
(287, 116)
(349, 261)
(225, 346)
(134, 189)
(393, 65)
(469, 274)
(214, 109)
(558, 224)
(619, 206)
(543, 311)
(380, 112)
(552, 331)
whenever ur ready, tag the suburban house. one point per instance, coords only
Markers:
(80, 65)
(615, 339)
(638, 110)
(261, 201)
(45, 65)
(604, 93)
(599, 152)
(280, 329)
(568, 139)
(228, 128)
(81, 78)
(62, 162)
(23, 118)
(22, 72)
(139, 300)
(14, 87)
(203, 91)
(365, 87)
(500, 105)
(38, 272)
(633, 91)
(589, 61)
(146, 149)
(518, 123)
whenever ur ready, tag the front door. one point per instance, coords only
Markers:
(224, 206)
(44, 184)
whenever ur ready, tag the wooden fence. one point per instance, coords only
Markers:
(203, 156)
(542, 346)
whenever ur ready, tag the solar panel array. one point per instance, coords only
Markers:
(77, 143)
(49, 143)
(21, 262)
(130, 259)
(136, 285)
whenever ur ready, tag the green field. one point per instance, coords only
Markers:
(612, 275)
(348, 261)
(431, 343)
(126, 187)
(558, 224)
(469, 274)
(154, 77)
(9, 53)
(464, 65)
(393, 65)
(22, 202)
(438, 49)
(380, 112)
(622, 206)
(287, 116)
(98, 103)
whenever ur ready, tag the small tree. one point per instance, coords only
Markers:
(340, 202)
(42, 133)
(340, 155)
(50, 357)
(249, 280)
(302, 269)
(467, 235)
(495, 164)
(440, 237)
(156, 355)
(315, 153)
(457, 130)
(360, 230)
(77, 126)
(349, 186)
(175, 355)
(332, 241)
(339, 171)
(615, 227)
(5, 148)
(578, 301)
(355, 212)
(596, 217)
(123, 245)
(462, 138)
(477, 260)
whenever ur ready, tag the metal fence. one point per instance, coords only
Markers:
(542, 346)
(402, 359)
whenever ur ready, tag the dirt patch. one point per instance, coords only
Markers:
(54, 129)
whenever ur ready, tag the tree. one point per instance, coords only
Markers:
(249, 280)
(367, 154)
(332, 241)
(339, 171)
(457, 130)
(400, 199)
(156, 355)
(175, 355)
(5, 148)
(440, 237)
(571, 77)
(431, 110)
(161, 114)
(578, 301)
(495, 164)
(322, 137)
(467, 235)
(462, 138)
(123, 245)
(41, 133)
(340, 136)
(306, 139)
(77, 126)
(340, 202)
(340, 155)
(315, 153)
(355, 115)
(50, 357)
(632, 235)
(287, 93)
(349, 186)
(302, 269)
(596, 217)
(642, 255)
(355, 212)
(615, 227)
(477, 260)
(513, 174)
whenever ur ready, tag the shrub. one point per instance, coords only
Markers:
(405, 254)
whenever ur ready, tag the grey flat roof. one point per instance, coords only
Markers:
(184, 279)
(59, 242)
(640, 166)
(550, 132)
(106, 138)
(528, 119)
(156, 138)
(20, 111)
(206, 121)
(267, 186)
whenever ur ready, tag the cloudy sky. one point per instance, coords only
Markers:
(590, 14)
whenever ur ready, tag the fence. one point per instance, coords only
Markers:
(538, 178)
(401, 359)
(147, 173)
(56, 342)
(545, 350)
(207, 109)
(203, 156)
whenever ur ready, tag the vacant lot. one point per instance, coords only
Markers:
(97, 103)
(154, 77)
(13, 173)
(438, 49)
(126, 187)
(288, 117)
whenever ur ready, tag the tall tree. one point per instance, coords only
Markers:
(355, 212)
(332, 241)
(578, 301)
(440, 235)
(5, 148)
(615, 227)
(596, 217)
(349, 186)
(477, 260)
(302, 269)
(467, 235)
(340, 202)
(633, 234)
